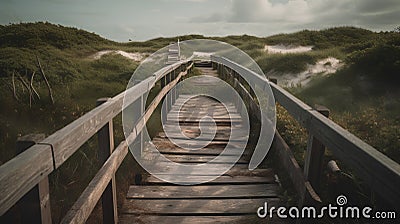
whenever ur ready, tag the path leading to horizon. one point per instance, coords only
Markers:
(233, 197)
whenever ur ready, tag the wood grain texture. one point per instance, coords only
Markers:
(85, 204)
(205, 192)
(196, 206)
(22, 173)
(194, 219)
(231, 180)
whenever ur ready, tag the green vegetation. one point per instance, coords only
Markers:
(363, 96)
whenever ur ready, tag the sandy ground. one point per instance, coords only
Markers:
(323, 67)
(286, 49)
(132, 56)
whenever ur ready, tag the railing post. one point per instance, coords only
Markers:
(106, 147)
(173, 90)
(313, 164)
(164, 110)
(142, 110)
(34, 205)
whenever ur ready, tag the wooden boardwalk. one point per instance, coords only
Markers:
(232, 197)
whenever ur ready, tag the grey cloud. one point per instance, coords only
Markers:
(285, 14)
(215, 17)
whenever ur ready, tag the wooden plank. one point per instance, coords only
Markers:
(237, 170)
(240, 137)
(22, 173)
(204, 151)
(220, 180)
(228, 121)
(217, 108)
(203, 192)
(106, 146)
(380, 172)
(144, 219)
(202, 102)
(203, 114)
(159, 142)
(85, 204)
(217, 129)
(190, 104)
(214, 169)
(204, 159)
(196, 206)
(313, 162)
(292, 168)
(203, 110)
(34, 205)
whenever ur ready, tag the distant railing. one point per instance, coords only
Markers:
(28, 171)
(379, 172)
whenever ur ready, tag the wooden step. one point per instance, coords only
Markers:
(232, 180)
(203, 192)
(196, 206)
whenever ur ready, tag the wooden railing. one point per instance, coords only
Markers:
(28, 171)
(378, 171)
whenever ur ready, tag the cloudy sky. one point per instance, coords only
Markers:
(121, 20)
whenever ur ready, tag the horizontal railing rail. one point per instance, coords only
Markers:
(381, 173)
(22, 173)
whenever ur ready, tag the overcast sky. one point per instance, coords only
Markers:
(121, 20)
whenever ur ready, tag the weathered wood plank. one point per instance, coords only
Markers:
(85, 204)
(220, 180)
(314, 157)
(160, 142)
(22, 173)
(204, 151)
(202, 114)
(106, 146)
(216, 108)
(380, 172)
(204, 159)
(206, 192)
(292, 168)
(35, 205)
(196, 206)
(237, 170)
(195, 129)
(240, 137)
(145, 219)
(214, 169)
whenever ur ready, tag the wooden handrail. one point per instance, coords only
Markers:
(279, 147)
(83, 207)
(380, 172)
(26, 170)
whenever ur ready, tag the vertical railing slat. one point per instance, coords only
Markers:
(106, 147)
(34, 205)
(314, 157)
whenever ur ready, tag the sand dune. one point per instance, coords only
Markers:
(129, 55)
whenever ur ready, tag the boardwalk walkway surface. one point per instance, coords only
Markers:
(233, 197)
